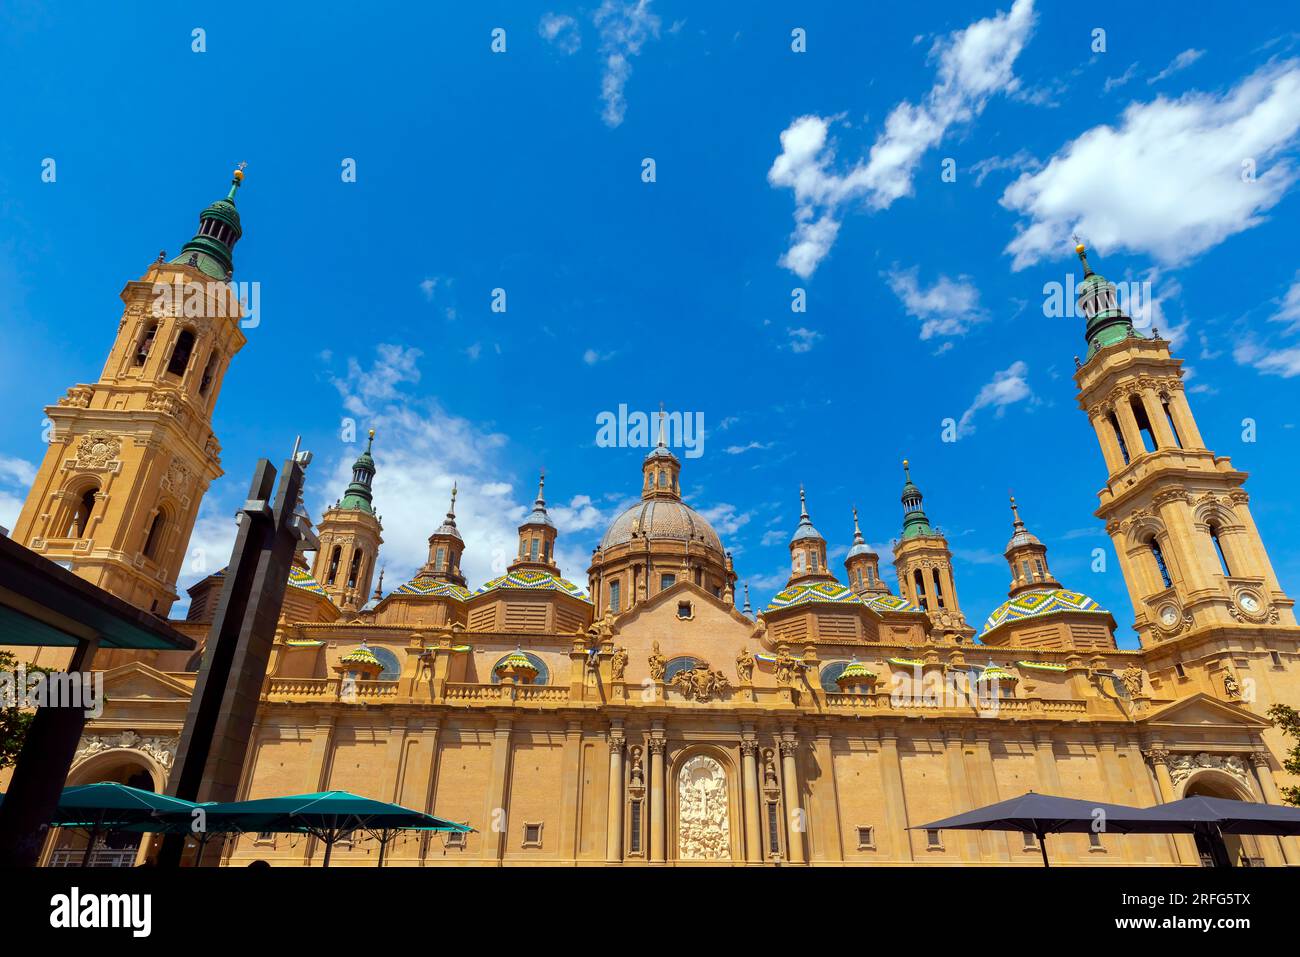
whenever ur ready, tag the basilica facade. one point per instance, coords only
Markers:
(650, 715)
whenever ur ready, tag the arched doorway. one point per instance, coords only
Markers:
(118, 849)
(1244, 850)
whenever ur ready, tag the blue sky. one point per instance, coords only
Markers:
(774, 170)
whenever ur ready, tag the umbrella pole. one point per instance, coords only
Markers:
(329, 846)
(383, 843)
(90, 844)
(1042, 846)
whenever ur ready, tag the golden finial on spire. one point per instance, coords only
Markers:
(238, 174)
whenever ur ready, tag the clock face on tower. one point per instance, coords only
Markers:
(1168, 616)
(1248, 602)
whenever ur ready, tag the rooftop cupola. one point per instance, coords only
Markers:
(537, 537)
(1107, 322)
(1027, 557)
(915, 521)
(661, 470)
(807, 550)
(213, 246)
(863, 564)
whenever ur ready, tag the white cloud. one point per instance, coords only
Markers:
(802, 340)
(947, 308)
(1168, 181)
(747, 447)
(1288, 310)
(1279, 362)
(420, 449)
(725, 519)
(775, 536)
(1180, 62)
(1020, 161)
(1006, 388)
(624, 29)
(16, 478)
(427, 287)
(561, 31)
(973, 64)
(1114, 82)
(591, 356)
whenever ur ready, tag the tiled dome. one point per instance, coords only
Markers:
(805, 593)
(661, 518)
(528, 578)
(1045, 601)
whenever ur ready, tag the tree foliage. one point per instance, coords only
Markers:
(1288, 720)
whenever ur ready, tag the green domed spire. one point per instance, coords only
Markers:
(359, 494)
(915, 522)
(1107, 323)
(213, 246)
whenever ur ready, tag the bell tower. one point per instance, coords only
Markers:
(1177, 513)
(924, 566)
(349, 533)
(807, 551)
(445, 549)
(537, 538)
(131, 455)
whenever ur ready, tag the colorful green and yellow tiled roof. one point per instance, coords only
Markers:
(537, 580)
(1039, 602)
(432, 588)
(832, 592)
(301, 578)
(361, 656)
(890, 603)
(995, 673)
(517, 660)
(855, 671)
(1043, 665)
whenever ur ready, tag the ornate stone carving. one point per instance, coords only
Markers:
(616, 742)
(177, 479)
(769, 771)
(787, 667)
(1183, 766)
(636, 776)
(618, 664)
(78, 397)
(788, 748)
(749, 748)
(657, 663)
(1230, 686)
(161, 749)
(703, 811)
(97, 449)
(165, 401)
(745, 667)
(657, 745)
(1156, 756)
(1131, 678)
(700, 683)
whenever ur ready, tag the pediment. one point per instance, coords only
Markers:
(1203, 710)
(137, 680)
(707, 608)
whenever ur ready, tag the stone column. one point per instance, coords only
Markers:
(614, 836)
(571, 778)
(753, 819)
(1184, 844)
(1159, 422)
(795, 814)
(658, 832)
(895, 801)
(1184, 422)
(1109, 444)
(1268, 788)
(496, 815)
(986, 781)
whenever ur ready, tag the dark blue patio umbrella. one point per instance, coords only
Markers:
(1210, 818)
(1043, 814)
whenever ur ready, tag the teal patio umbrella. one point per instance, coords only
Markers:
(109, 806)
(329, 816)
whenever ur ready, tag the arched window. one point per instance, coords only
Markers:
(938, 589)
(1024, 568)
(663, 479)
(1159, 557)
(683, 663)
(180, 359)
(532, 550)
(209, 371)
(812, 561)
(1119, 437)
(1143, 423)
(145, 344)
(1038, 567)
(613, 596)
(80, 523)
(1169, 416)
(154, 538)
(333, 571)
(829, 672)
(919, 583)
(354, 571)
(1218, 548)
(440, 559)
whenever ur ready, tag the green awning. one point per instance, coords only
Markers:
(42, 603)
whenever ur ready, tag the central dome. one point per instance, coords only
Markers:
(661, 518)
